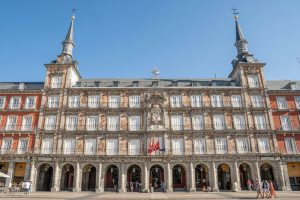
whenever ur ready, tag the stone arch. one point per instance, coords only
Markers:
(88, 177)
(134, 178)
(45, 177)
(157, 177)
(245, 175)
(267, 173)
(179, 177)
(224, 176)
(111, 178)
(201, 176)
(67, 177)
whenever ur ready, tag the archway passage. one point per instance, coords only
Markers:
(224, 177)
(294, 175)
(88, 178)
(179, 178)
(245, 176)
(201, 177)
(134, 179)
(67, 177)
(266, 173)
(112, 178)
(45, 174)
(157, 178)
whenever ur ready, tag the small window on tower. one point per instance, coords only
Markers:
(135, 83)
(116, 83)
(174, 83)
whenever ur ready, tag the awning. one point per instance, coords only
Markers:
(4, 175)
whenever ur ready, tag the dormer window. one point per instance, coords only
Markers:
(154, 83)
(135, 83)
(293, 86)
(195, 83)
(116, 83)
(174, 83)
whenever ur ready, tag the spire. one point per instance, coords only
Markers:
(68, 43)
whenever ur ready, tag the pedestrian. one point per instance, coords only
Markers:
(131, 186)
(272, 190)
(249, 184)
(25, 187)
(265, 187)
(258, 189)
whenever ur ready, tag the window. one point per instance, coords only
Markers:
(72, 123)
(134, 101)
(92, 123)
(253, 81)
(260, 122)
(176, 101)
(281, 102)
(199, 146)
(290, 145)
(112, 147)
(26, 123)
(219, 123)
(263, 145)
(198, 122)
(134, 147)
(196, 100)
(239, 122)
(53, 101)
(11, 123)
(93, 101)
(236, 101)
(56, 82)
(90, 146)
(177, 146)
(285, 123)
(221, 145)
(176, 122)
(216, 101)
(15, 103)
(243, 145)
(114, 101)
(22, 146)
(134, 123)
(256, 101)
(297, 102)
(113, 123)
(30, 103)
(69, 146)
(50, 123)
(47, 146)
(2, 102)
(74, 101)
(6, 144)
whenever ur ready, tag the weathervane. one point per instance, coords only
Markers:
(155, 73)
(235, 13)
(73, 11)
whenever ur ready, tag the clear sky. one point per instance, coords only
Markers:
(127, 38)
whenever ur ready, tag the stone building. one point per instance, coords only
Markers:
(139, 134)
(19, 113)
(285, 104)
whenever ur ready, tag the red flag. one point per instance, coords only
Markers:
(150, 147)
(157, 147)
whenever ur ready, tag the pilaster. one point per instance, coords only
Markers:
(11, 167)
(77, 183)
(214, 177)
(99, 179)
(56, 178)
(192, 187)
(169, 178)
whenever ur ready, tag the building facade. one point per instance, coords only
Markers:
(19, 113)
(285, 104)
(139, 134)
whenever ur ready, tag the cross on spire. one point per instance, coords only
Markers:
(234, 12)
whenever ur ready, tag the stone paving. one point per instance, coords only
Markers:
(146, 196)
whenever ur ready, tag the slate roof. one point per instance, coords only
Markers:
(19, 85)
(284, 85)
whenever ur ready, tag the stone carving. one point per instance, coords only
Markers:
(155, 116)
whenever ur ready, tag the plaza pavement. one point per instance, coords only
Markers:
(145, 196)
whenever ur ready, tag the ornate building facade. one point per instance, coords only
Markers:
(142, 134)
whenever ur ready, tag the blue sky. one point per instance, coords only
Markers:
(127, 38)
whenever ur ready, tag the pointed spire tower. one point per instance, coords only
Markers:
(68, 43)
(241, 44)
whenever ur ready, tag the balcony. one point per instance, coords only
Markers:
(16, 151)
(288, 129)
(11, 128)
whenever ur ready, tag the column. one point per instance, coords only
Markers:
(169, 178)
(146, 178)
(257, 172)
(10, 172)
(281, 177)
(32, 176)
(99, 180)
(286, 176)
(192, 187)
(236, 185)
(27, 170)
(214, 177)
(122, 187)
(77, 181)
(56, 178)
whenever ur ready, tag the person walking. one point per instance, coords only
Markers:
(258, 189)
(272, 190)
(249, 184)
(265, 187)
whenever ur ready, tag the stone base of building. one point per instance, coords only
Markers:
(122, 190)
(146, 190)
(54, 189)
(192, 190)
(169, 190)
(99, 190)
(76, 189)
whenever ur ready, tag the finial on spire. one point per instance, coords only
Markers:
(155, 73)
(73, 13)
(235, 13)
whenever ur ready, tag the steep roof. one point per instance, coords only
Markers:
(21, 85)
(283, 85)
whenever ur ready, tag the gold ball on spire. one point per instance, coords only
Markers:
(236, 17)
(73, 17)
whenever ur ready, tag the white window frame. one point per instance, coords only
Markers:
(297, 101)
(200, 146)
(177, 146)
(13, 105)
(2, 102)
(56, 82)
(134, 147)
(176, 101)
(261, 145)
(196, 101)
(72, 123)
(216, 101)
(290, 145)
(243, 145)
(72, 143)
(92, 123)
(50, 122)
(114, 101)
(90, 146)
(113, 123)
(219, 125)
(198, 122)
(239, 122)
(11, 125)
(29, 105)
(74, 101)
(177, 122)
(47, 147)
(253, 81)
(236, 101)
(221, 145)
(27, 123)
(112, 151)
(260, 122)
(257, 101)
(134, 101)
(94, 101)
(22, 149)
(53, 101)
(281, 102)
(4, 147)
(286, 123)
(134, 123)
